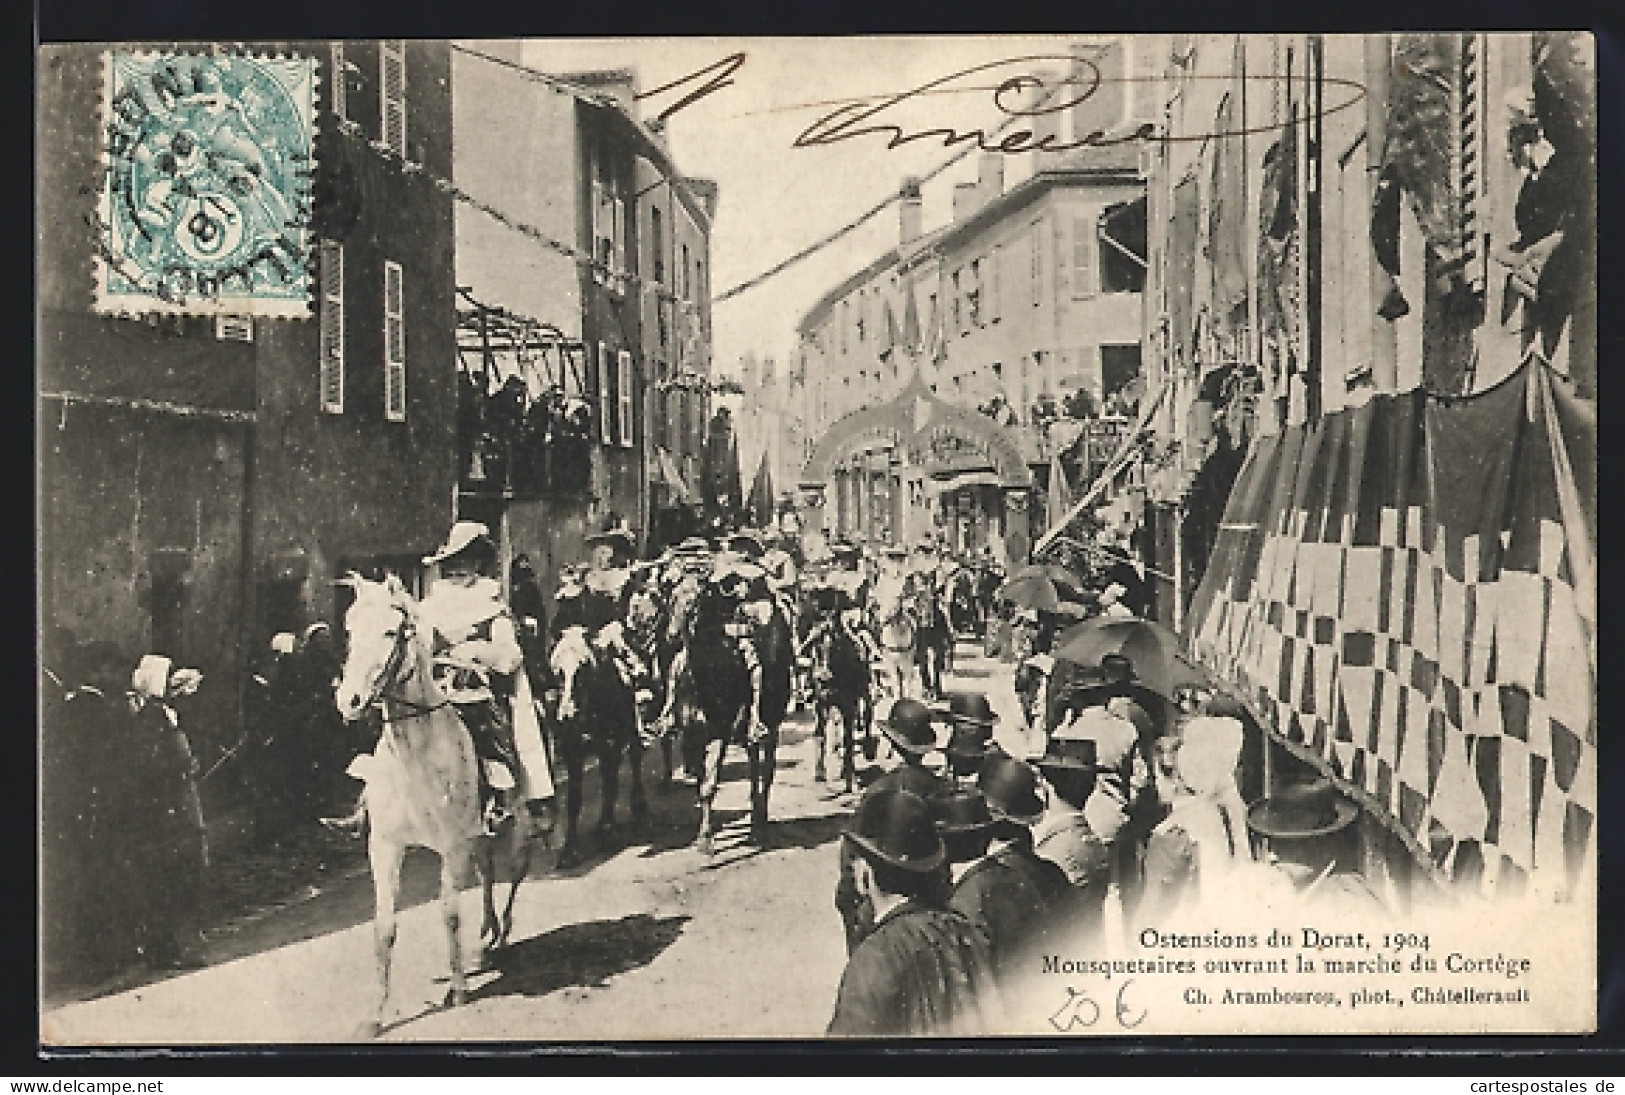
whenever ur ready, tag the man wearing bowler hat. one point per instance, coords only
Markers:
(1064, 836)
(922, 969)
(971, 720)
(908, 727)
(1307, 827)
(1017, 898)
(966, 826)
(857, 916)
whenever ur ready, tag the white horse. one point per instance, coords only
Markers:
(422, 782)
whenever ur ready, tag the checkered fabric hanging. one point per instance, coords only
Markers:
(1405, 593)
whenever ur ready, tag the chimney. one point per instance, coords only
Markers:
(967, 200)
(620, 84)
(1048, 123)
(910, 211)
(990, 176)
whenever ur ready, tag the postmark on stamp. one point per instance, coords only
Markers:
(205, 200)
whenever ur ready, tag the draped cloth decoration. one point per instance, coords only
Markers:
(911, 337)
(1182, 274)
(1279, 294)
(1404, 593)
(1227, 214)
(1417, 161)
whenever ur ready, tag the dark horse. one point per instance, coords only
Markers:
(841, 678)
(597, 714)
(733, 709)
(933, 636)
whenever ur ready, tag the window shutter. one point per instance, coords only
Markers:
(338, 83)
(331, 351)
(617, 259)
(1085, 252)
(605, 382)
(394, 344)
(392, 53)
(597, 213)
(623, 391)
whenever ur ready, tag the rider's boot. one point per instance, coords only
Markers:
(353, 823)
(495, 809)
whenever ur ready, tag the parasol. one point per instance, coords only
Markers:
(1159, 660)
(1043, 586)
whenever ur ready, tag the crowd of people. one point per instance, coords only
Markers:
(124, 842)
(977, 846)
(971, 858)
(122, 836)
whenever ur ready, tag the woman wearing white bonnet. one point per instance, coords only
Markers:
(1192, 852)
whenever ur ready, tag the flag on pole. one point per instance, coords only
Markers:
(911, 321)
(759, 507)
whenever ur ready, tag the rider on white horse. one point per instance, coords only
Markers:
(479, 665)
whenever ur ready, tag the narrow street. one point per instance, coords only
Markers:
(643, 938)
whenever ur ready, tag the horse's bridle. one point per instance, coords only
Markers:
(392, 667)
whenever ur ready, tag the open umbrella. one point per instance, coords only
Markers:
(1043, 586)
(1158, 657)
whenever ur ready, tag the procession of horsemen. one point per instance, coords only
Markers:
(987, 824)
(1077, 771)
(712, 644)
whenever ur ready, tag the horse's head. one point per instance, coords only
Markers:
(379, 626)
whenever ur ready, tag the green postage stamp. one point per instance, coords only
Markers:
(205, 196)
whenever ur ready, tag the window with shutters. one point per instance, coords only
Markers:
(337, 83)
(956, 308)
(394, 343)
(623, 394)
(606, 383)
(392, 55)
(617, 251)
(331, 272)
(657, 244)
(973, 295)
(1085, 252)
(608, 215)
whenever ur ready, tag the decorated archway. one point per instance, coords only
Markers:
(918, 466)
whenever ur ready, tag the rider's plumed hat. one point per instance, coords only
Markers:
(620, 535)
(747, 543)
(462, 534)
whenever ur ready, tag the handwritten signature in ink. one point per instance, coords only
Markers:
(865, 117)
(1081, 1011)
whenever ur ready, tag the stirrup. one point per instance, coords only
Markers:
(494, 816)
(350, 825)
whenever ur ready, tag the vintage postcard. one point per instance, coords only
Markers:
(635, 539)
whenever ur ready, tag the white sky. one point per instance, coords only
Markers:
(776, 198)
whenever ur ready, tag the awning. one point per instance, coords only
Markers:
(982, 478)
